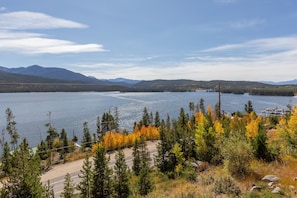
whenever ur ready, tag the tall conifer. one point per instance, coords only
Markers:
(102, 175)
(121, 180)
(86, 174)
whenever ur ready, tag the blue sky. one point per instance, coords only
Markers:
(251, 40)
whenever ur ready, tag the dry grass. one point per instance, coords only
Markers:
(203, 187)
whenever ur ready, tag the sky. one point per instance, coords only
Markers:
(253, 40)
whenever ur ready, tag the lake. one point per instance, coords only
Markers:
(70, 110)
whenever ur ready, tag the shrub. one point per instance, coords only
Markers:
(226, 185)
(238, 155)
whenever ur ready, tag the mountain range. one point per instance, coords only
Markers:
(62, 75)
(38, 78)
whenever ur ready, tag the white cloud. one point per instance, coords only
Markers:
(13, 38)
(33, 43)
(260, 45)
(271, 59)
(33, 20)
(247, 23)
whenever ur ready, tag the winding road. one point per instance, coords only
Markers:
(57, 173)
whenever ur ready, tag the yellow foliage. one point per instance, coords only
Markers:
(218, 127)
(252, 128)
(209, 110)
(200, 132)
(114, 140)
(96, 146)
(292, 125)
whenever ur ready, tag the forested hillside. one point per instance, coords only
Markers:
(41, 79)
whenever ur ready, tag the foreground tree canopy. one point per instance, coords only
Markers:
(200, 135)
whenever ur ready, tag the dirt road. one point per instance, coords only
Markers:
(57, 173)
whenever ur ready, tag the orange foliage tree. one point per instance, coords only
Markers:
(114, 140)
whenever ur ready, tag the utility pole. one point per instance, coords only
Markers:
(219, 105)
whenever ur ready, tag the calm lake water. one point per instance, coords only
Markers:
(70, 110)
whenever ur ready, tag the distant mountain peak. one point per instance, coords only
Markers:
(289, 82)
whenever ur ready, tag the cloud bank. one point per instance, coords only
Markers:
(14, 35)
(257, 60)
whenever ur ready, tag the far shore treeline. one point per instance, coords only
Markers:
(49, 79)
(234, 87)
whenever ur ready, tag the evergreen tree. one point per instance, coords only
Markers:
(86, 174)
(191, 106)
(116, 119)
(164, 159)
(151, 118)
(68, 190)
(42, 150)
(121, 180)
(157, 119)
(64, 145)
(261, 150)
(52, 134)
(136, 157)
(202, 106)
(102, 175)
(6, 160)
(48, 190)
(99, 132)
(87, 138)
(108, 123)
(145, 117)
(24, 179)
(11, 128)
(140, 154)
(145, 185)
(64, 139)
(168, 123)
(248, 107)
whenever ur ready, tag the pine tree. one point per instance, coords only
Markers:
(202, 106)
(6, 159)
(116, 119)
(87, 138)
(48, 190)
(64, 139)
(52, 134)
(261, 150)
(68, 190)
(136, 157)
(121, 180)
(157, 119)
(164, 160)
(64, 142)
(248, 107)
(102, 175)
(145, 185)
(145, 117)
(191, 106)
(11, 128)
(24, 179)
(99, 132)
(86, 174)
(140, 154)
(42, 150)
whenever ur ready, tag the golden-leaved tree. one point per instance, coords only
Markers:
(292, 128)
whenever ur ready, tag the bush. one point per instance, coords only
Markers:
(226, 185)
(238, 155)
(189, 173)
